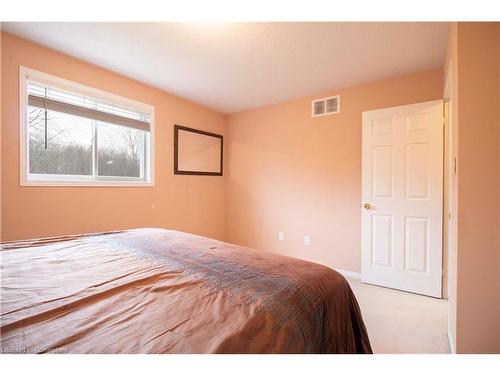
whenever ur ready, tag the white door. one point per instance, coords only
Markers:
(402, 197)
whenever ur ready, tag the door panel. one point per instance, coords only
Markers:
(402, 178)
(382, 172)
(382, 126)
(416, 171)
(416, 244)
(382, 241)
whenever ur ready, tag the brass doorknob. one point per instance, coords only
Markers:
(368, 206)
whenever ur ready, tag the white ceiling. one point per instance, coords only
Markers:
(233, 67)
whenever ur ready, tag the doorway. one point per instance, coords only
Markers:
(402, 198)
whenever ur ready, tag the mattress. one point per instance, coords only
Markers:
(153, 290)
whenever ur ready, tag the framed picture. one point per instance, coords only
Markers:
(197, 152)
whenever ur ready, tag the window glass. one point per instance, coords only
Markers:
(120, 150)
(74, 137)
(67, 147)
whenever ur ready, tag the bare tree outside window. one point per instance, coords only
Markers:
(120, 150)
(69, 143)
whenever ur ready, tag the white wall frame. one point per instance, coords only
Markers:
(44, 78)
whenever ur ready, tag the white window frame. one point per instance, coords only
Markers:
(27, 179)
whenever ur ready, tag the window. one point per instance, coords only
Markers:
(75, 135)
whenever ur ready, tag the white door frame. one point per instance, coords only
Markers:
(449, 218)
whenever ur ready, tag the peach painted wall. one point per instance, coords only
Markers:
(474, 57)
(292, 173)
(198, 152)
(498, 202)
(189, 203)
(478, 250)
(1, 126)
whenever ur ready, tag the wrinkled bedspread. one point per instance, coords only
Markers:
(163, 291)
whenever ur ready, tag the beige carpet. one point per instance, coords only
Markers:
(400, 322)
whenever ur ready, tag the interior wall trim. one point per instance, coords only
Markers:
(450, 342)
(351, 274)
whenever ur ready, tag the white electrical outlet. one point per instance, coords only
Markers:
(307, 240)
(281, 236)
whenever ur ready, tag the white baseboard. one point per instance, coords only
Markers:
(450, 342)
(351, 274)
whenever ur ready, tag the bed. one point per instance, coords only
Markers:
(153, 290)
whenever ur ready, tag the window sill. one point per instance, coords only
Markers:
(88, 183)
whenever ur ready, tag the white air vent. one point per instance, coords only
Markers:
(326, 106)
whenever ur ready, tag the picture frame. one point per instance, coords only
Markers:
(197, 152)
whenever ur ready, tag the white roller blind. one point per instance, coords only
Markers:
(62, 101)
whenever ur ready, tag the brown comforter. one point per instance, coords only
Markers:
(162, 291)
